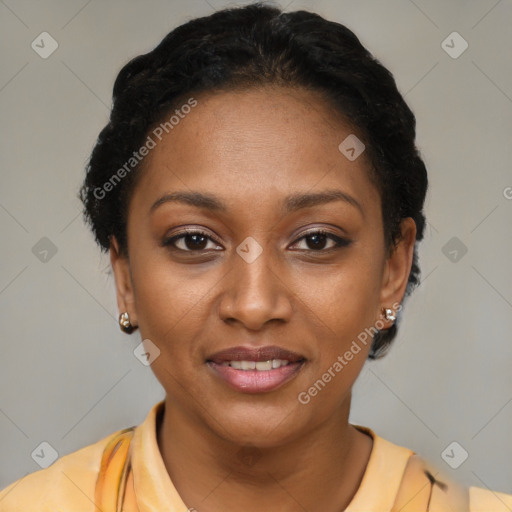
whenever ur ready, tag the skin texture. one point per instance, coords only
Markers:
(251, 149)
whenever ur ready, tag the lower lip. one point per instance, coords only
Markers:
(255, 381)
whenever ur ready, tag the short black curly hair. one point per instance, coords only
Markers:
(250, 46)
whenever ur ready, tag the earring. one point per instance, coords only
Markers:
(125, 324)
(389, 314)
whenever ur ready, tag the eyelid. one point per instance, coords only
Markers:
(170, 240)
(339, 241)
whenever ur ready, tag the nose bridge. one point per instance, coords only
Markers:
(255, 275)
(255, 293)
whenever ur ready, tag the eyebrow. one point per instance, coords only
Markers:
(292, 202)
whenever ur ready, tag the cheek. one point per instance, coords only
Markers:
(168, 300)
(341, 308)
(345, 296)
(343, 340)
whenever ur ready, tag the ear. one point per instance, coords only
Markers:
(397, 268)
(123, 279)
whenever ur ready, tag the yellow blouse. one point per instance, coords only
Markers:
(85, 481)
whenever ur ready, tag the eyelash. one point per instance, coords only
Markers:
(339, 241)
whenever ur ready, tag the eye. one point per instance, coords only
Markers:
(190, 241)
(197, 240)
(318, 239)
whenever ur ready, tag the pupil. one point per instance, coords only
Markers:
(318, 238)
(195, 244)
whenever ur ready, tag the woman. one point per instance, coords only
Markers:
(261, 196)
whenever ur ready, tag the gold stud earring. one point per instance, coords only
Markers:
(125, 324)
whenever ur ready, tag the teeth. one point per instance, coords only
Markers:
(264, 365)
(272, 364)
(247, 365)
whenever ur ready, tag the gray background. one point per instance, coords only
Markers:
(68, 376)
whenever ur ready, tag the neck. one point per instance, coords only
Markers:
(320, 470)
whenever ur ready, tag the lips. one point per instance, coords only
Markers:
(255, 370)
(260, 354)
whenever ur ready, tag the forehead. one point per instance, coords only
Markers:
(254, 145)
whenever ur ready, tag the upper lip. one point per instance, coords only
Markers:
(267, 353)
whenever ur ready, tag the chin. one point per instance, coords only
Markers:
(258, 426)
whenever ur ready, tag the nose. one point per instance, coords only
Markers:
(255, 293)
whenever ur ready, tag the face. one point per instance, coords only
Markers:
(273, 251)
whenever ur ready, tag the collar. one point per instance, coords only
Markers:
(155, 490)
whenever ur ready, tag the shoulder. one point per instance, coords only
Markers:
(484, 500)
(69, 483)
(414, 484)
(425, 487)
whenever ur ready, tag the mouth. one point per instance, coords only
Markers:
(256, 370)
